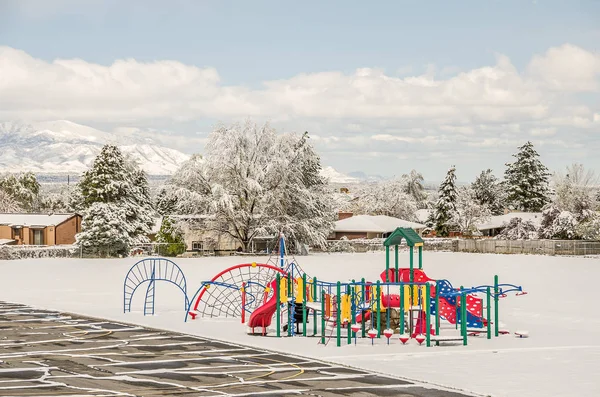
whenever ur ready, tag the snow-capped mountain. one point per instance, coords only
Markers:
(361, 176)
(66, 147)
(335, 176)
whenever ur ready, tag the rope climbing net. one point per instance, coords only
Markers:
(222, 296)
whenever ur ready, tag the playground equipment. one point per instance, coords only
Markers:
(405, 303)
(233, 292)
(152, 270)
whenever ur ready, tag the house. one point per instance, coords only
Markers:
(370, 226)
(201, 241)
(39, 229)
(498, 222)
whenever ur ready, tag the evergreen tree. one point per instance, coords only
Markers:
(488, 191)
(445, 207)
(166, 203)
(108, 180)
(104, 232)
(122, 187)
(527, 181)
(171, 235)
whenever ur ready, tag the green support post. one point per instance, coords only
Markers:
(397, 277)
(378, 309)
(402, 309)
(437, 309)
(426, 300)
(337, 314)
(387, 263)
(278, 300)
(304, 304)
(314, 311)
(489, 312)
(363, 312)
(496, 297)
(420, 257)
(322, 316)
(412, 258)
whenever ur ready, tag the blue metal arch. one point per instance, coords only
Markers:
(165, 273)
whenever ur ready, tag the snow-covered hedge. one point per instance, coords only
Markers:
(8, 252)
(341, 245)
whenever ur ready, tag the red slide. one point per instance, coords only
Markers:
(261, 317)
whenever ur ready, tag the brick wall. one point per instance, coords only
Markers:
(66, 231)
(344, 215)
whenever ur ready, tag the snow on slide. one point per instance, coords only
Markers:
(262, 315)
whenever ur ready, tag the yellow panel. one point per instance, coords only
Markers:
(345, 309)
(283, 290)
(299, 289)
(418, 244)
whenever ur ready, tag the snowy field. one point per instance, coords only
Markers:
(560, 358)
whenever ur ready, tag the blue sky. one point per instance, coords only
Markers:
(249, 43)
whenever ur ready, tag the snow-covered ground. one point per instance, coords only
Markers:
(560, 358)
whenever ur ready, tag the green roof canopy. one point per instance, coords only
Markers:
(411, 237)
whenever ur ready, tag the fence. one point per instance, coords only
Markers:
(540, 247)
(484, 246)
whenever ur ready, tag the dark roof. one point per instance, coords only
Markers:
(411, 237)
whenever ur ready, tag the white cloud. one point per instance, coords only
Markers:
(543, 131)
(567, 68)
(365, 111)
(128, 90)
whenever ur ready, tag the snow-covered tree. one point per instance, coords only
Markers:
(386, 198)
(527, 181)
(189, 189)
(52, 203)
(518, 229)
(7, 203)
(575, 192)
(468, 211)
(558, 224)
(138, 205)
(589, 229)
(24, 188)
(104, 232)
(413, 186)
(489, 191)
(119, 183)
(254, 181)
(170, 234)
(446, 204)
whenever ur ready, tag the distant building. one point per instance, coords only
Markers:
(39, 229)
(369, 226)
(497, 223)
(199, 240)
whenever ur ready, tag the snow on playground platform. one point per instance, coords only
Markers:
(560, 357)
